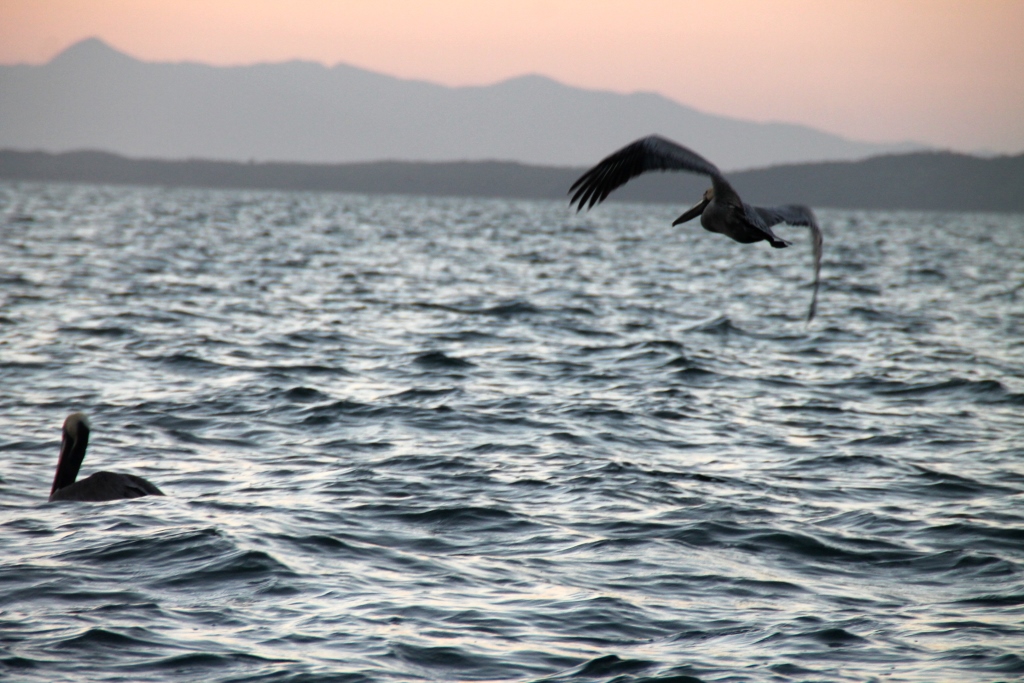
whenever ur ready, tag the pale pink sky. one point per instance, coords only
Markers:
(945, 72)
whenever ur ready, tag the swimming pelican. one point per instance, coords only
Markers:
(720, 209)
(96, 487)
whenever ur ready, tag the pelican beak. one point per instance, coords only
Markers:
(63, 476)
(694, 211)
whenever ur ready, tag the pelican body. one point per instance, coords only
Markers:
(720, 209)
(99, 486)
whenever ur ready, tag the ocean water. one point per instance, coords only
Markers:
(421, 439)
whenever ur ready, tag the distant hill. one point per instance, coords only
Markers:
(939, 181)
(93, 97)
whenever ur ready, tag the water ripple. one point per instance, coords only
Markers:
(443, 439)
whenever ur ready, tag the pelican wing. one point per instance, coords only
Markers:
(652, 153)
(797, 214)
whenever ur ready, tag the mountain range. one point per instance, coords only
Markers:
(92, 96)
(935, 181)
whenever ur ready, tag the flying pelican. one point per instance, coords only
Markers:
(720, 209)
(98, 486)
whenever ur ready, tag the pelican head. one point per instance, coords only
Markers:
(698, 208)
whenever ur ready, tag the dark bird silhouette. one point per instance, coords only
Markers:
(99, 486)
(720, 209)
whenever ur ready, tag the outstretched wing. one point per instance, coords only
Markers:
(652, 153)
(797, 214)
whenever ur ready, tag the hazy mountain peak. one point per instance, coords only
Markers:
(94, 52)
(532, 80)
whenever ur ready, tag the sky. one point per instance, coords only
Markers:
(947, 73)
